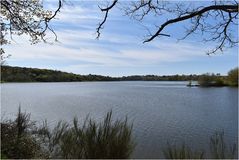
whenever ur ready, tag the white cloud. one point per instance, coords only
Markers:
(73, 14)
(79, 48)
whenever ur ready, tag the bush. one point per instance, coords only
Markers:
(207, 80)
(22, 139)
(233, 77)
(17, 140)
(91, 140)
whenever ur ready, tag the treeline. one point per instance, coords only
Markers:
(23, 74)
(176, 77)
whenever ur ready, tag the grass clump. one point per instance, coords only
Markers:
(22, 139)
(182, 152)
(17, 138)
(105, 140)
(219, 149)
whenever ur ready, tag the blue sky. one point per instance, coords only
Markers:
(120, 50)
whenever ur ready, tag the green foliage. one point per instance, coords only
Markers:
(25, 17)
(90, 140)
(183, 152)
(233, 77)
(22, 139)
(207, 80)
(3, 156)
(19, 74)
(17, 141)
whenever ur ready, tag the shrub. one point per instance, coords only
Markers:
(233, 77)
(17, 141)
(90, 140)
(22, 139)
(207, 80)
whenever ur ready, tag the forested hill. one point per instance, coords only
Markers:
(22, 74)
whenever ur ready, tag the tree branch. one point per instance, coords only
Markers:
(106, 10)
(22, 19)
(225, 8)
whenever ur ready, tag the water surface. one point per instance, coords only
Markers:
(159, 111)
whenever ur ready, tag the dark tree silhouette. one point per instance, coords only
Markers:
(223, 13)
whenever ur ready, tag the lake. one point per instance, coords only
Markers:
(159, 111)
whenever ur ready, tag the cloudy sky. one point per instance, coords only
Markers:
(120, 50)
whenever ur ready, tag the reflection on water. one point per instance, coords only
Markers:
(160, 111)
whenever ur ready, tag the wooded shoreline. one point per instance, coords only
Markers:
(23, 74)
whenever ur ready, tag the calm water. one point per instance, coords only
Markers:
(160, 111)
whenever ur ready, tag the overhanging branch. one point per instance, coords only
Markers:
(225, 8)
(106, 10)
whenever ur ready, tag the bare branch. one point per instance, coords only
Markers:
(214, 22)
(225, 8)
(106, 10)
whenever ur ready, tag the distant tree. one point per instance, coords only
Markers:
(233, 77)
(207, 80)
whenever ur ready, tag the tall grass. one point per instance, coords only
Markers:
(182, 152)
(218, 150)
(107, 139)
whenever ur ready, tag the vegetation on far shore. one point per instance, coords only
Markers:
(22, 74)
(23, 139)
(207, 80)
